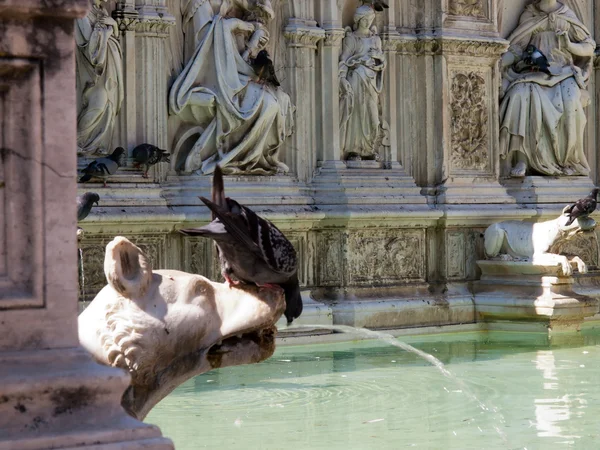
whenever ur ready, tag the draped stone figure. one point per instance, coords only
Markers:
(99, 79)
(542, 117)
(361, 67)
(242, 122)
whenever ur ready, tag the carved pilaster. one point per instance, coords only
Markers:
(469, 123)
(302, 36)
(151, 31)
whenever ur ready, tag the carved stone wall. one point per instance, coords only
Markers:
(469, 122)
(468, 8)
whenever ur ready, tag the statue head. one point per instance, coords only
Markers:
(363, 17)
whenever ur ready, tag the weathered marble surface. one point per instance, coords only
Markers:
(53, 395)
(166, 326)
(100, 79)
(542, 117)
(239, 122)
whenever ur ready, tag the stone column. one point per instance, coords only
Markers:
(127, 18)
(151, 33)
(329, 152)
(52, 394)
(302, 35)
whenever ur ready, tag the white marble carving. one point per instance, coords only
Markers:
(99, 79)
(542, 117)
(240, 122)
(166, 326)
(361, 67)
(535, 242)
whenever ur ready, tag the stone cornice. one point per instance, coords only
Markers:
(301, 34)
(447, 45)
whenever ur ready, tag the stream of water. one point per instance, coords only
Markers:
(392, 340)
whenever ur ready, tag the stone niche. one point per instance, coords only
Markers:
(421, 79)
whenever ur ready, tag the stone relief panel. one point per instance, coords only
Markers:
(469, 118)
(467, 8)
(225, 102)
(584, 245)
(92, 253)
(548, 65)
(99, 79)
(455, 255)
(198, 256)
(385, 257)
(329, 261)
(361, 68)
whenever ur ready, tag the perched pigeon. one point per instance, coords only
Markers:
(104, 167)
(250, 247)
(263, 66)
(582, 207)
(148, 155)
(378, 5)
(536, 59)
(85, 203)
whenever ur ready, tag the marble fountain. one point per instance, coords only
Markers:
(417, 161)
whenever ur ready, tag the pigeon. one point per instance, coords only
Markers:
(536, 59)
(148, 155)
(582, 207)
(85, 203)
(378, 5)
(263, 66)
(104, 167)
(250, 248)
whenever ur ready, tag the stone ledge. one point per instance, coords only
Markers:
(65, 400)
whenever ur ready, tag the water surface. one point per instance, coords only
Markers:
(370, 395)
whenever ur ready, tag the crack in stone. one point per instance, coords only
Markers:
(4, 151)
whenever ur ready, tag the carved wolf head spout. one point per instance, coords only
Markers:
(166, 326)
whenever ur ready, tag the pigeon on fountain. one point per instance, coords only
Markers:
(250, 248)
(536, 59)
(148, 155)
(103, 168)
(263, 66)
(582, 207)
(85, 203)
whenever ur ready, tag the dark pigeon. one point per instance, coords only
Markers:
(263, 66)
(582, 207)
(534, 58)
(148, 155)
(103, 168)
(85, 203)
(251, 248)
(378, 5)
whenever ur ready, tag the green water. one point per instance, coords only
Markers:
(370, 395)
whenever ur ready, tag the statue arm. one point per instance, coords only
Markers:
(584, 48)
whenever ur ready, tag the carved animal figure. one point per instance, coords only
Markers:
(536, 59)
(263, 66)
(85, 203)
(166, 326)
(534, 241)
(583, 207)
(148, 155)
(104, 167)
(251, 248)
